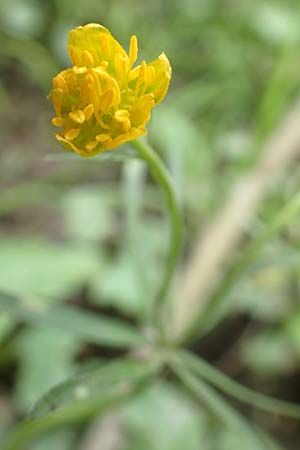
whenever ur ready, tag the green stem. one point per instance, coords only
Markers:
(241, 393)
(162, 177)
(219, 302)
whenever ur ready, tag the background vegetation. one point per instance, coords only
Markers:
(92, 233)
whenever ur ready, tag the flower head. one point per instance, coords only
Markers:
(102, 101)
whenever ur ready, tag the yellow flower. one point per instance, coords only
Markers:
(102, 101)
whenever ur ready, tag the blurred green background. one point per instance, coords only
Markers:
(92, 232)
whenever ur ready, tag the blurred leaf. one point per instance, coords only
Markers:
(212, 375)
(36, 59)
(206, 93)
(227, 440)
(196, 156)
(59, 39)
(134, 180)
(22, 17)
(268, 354)
(292, 329)
(36, 267)
(88, 214)
(264, 295)
(122, 287)
(81, 325)
(191, 164)
(6, 325)
(83, 397)
(88, 387)
(45, 359)
(150, 416)
(60, 439)
(222, 410)
(276, 23)
(26, 193)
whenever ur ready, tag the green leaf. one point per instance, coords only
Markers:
(242, 393)
(37, 374)
(41, 268)
(130, 288)
(84, 326)
(269, 354)
(6, 324)
(148, 418)
(59, 439)
(222, 410)
(93, 383)
(83, 397)
(88, 205)
(22, 17)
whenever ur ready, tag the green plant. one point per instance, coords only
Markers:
(153, 346)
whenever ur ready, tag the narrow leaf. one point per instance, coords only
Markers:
(85, 326)
(83, 397)
(221, 409)
(242, 393)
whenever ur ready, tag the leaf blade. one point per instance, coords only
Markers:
(87, 327)
(105, 387)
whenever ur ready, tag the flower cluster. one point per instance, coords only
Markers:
(102, 101)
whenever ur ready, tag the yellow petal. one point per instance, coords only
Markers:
(132, 134)
(88, 111)
(121, 64)
(88, 58)
(68, 145)
(90, 146)
(122, 118)
(142, 75)
(161, 79)
(121, 115)
(80, 70)
(60, 83)
(57, 121)
(141, 112)
(77, 116)
(104, 137)
(156, 75)
(72, 134)
(133, 50)
(107, 100)
(93, 42)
